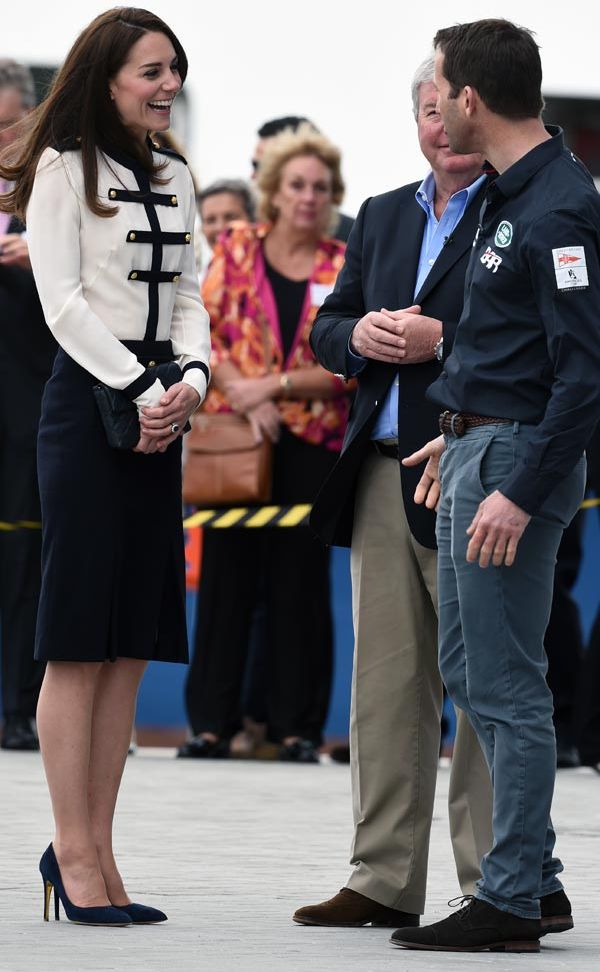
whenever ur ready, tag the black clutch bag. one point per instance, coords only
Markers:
(120, 415)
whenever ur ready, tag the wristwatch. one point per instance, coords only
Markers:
(285, 383)
(439, 350)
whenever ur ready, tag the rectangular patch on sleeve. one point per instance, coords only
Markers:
(570, 267)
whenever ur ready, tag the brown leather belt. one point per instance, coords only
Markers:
(457, 423)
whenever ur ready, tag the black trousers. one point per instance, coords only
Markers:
(564, 639)
(20, 551)
(587, 720)
(289, 568)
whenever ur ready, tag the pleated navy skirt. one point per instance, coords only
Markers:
(113, 574)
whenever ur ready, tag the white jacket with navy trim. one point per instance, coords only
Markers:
(129, 277)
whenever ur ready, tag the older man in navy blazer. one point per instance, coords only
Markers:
(409, 249)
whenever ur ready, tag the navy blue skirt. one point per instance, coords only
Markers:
(113, 574)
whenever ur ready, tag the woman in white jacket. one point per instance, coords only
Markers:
(110, 230)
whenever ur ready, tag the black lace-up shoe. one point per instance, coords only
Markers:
(476, 927)
(200, 748)
(19, 733)
(299, 751)
(556, 913)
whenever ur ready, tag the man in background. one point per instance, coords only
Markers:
(26, 354)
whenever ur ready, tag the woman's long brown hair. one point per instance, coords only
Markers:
(78, 111)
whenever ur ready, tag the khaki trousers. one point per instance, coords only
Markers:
(396, 710)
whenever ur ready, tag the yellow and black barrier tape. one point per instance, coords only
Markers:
(239, 516)
(242, 516)
(11, 526)
(251, 516)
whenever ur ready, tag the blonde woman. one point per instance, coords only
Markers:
(272, 277)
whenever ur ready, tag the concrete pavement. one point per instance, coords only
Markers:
(230, 849)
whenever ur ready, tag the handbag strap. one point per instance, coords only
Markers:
(267, 340)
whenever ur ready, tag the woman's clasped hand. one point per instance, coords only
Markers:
(160, 426)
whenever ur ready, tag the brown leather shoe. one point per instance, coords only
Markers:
(349, 909)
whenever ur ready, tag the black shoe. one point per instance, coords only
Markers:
(18, 733)
(556, 913)
(143, 914)
(200, 748)
(567, 756)
(476, 927)
(300, 751)
(103, 915)
(340, 754)
(592, 762)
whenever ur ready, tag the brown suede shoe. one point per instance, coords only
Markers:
(349, 909)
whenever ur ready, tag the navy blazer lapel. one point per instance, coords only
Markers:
(460, 240)
(399, 267)
(409, 236)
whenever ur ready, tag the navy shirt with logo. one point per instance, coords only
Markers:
(527, 347)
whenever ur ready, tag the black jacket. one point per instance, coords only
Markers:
(24, 335)
(528, 346)
(380, 271)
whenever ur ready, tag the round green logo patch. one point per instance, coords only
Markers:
(504, 234)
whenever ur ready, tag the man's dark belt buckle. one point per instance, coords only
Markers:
(452, 423)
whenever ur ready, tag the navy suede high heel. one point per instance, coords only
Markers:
(143, 914)
(50, 872)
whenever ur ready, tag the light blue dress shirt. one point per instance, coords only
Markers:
(434, 237)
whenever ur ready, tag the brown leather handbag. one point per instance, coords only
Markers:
(225, 465)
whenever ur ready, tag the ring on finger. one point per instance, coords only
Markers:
(174, 427)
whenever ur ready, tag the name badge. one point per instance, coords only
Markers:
(318, 293)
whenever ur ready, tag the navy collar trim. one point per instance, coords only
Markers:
(125, 160)
(514, 178)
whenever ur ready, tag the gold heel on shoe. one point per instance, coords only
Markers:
(47, 896)
(103, 915)
(48, 889)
